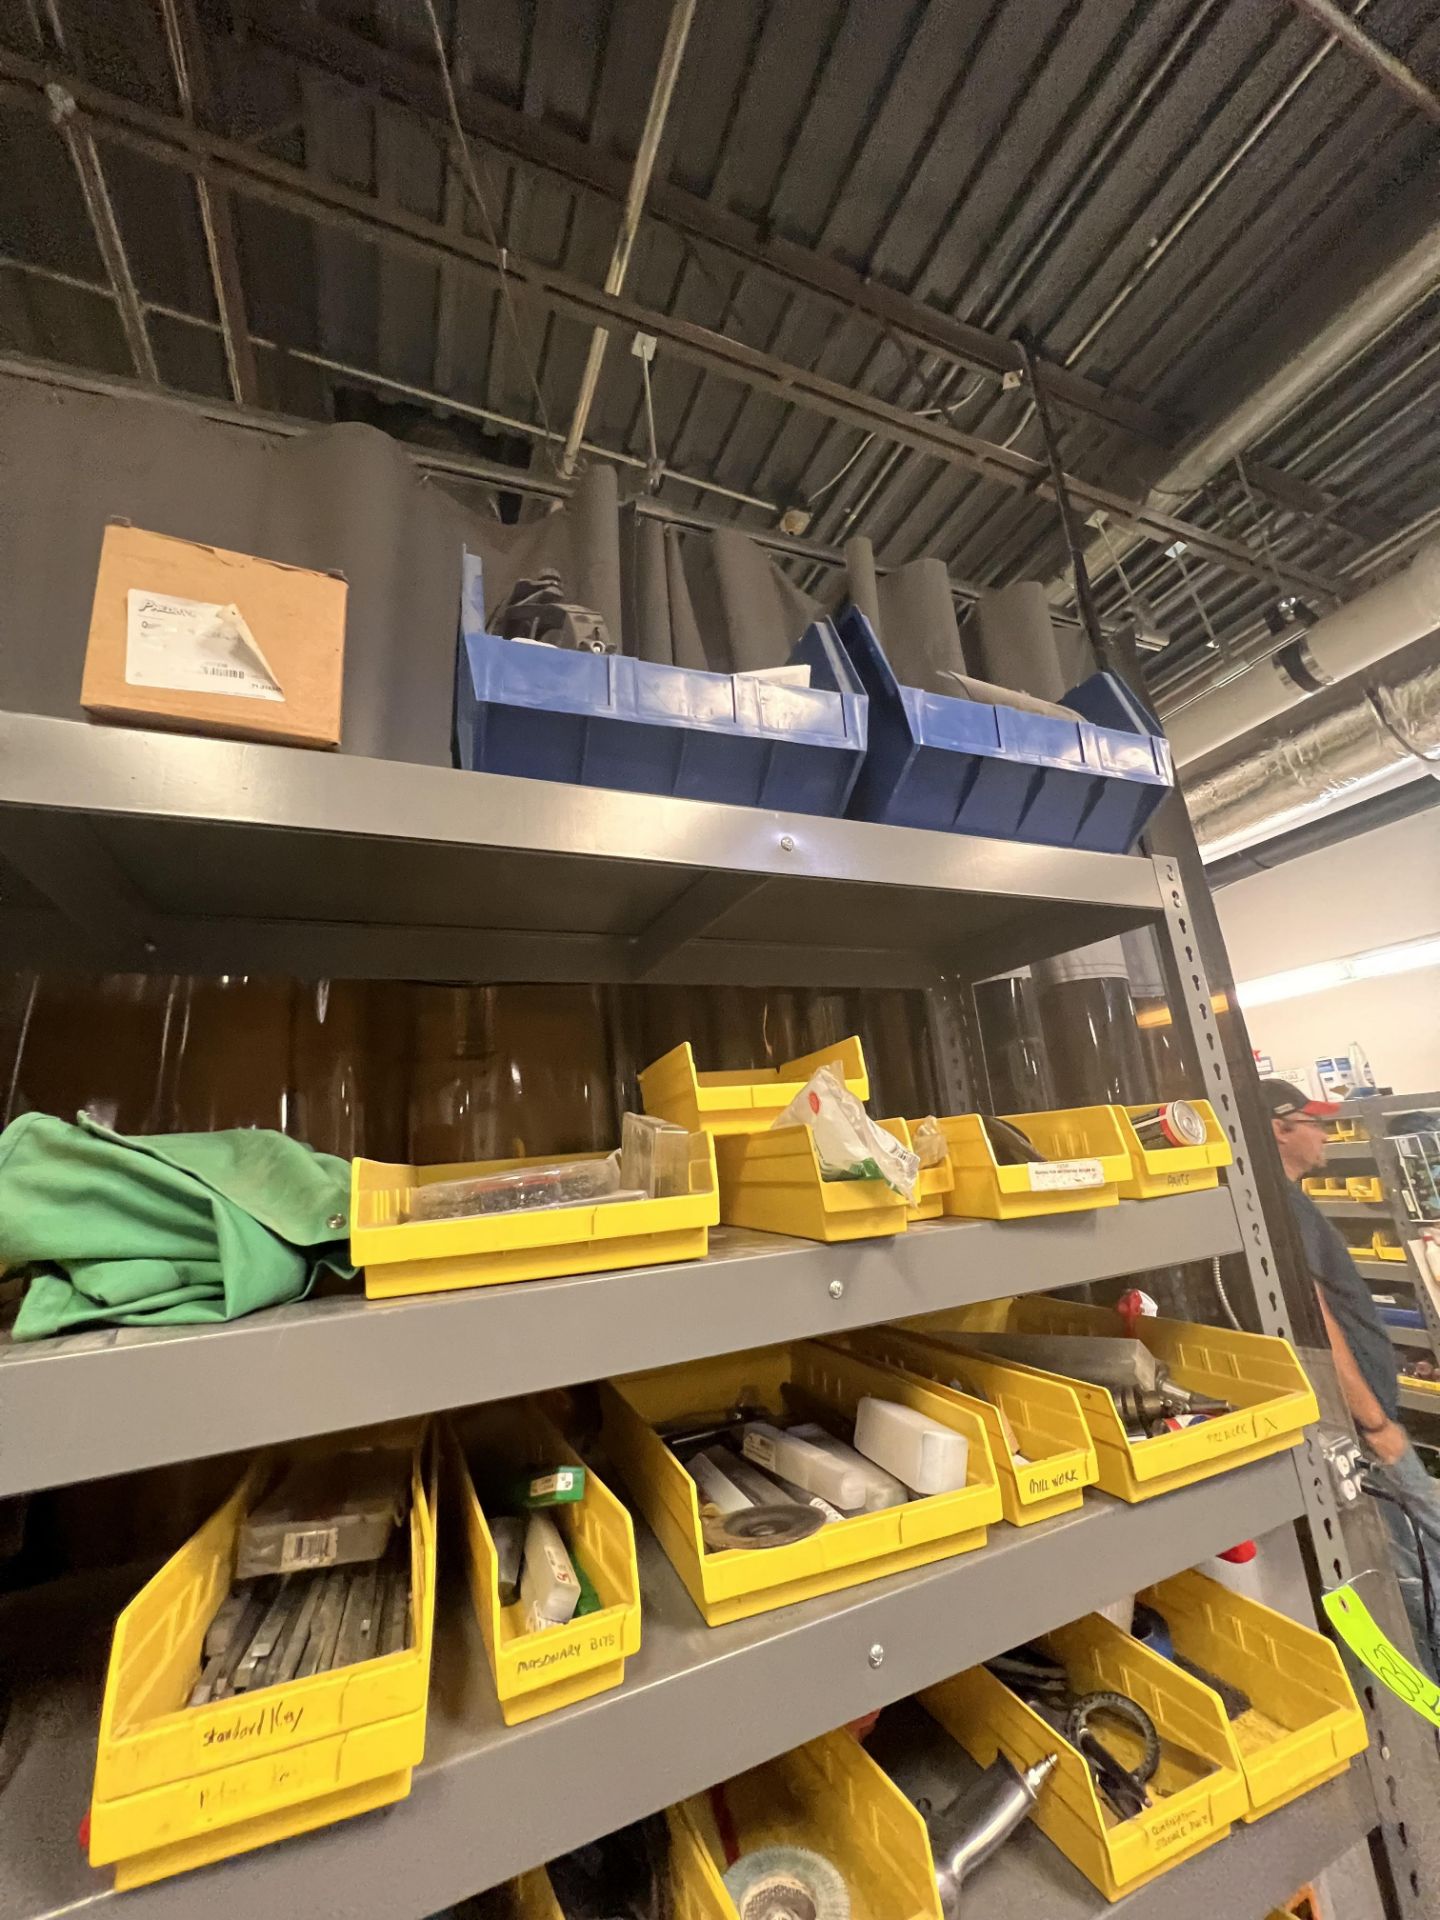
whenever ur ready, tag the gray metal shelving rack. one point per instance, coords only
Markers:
(166, 852)
(1378, 1153)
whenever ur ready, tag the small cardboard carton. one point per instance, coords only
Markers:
(194, 637)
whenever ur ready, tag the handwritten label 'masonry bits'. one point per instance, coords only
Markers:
(607, 1641)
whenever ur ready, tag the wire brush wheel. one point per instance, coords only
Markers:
(787, 1883)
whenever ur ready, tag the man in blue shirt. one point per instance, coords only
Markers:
(1364, 1362)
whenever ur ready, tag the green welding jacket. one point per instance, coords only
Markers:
(164, 1230)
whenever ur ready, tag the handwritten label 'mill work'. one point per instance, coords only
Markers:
(1056, 1480)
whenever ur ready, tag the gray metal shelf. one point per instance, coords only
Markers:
(1375, 1211)
(698, 1705)
(165, 852)
(1242, 1877)
(1417, 1400)
(149, 1396)
(1409, 1336)
(1397, 1272)
(1350, 1153)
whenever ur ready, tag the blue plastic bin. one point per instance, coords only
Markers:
(606, 720)
(940, 760)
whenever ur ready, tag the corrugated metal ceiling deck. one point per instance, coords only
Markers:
(1142, 183)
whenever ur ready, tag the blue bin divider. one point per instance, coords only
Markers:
(941, 760)
(607, 720)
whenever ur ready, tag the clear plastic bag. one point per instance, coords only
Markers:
(654, 1156)
(929, 1142)
(553, 1183)
(850, 1144)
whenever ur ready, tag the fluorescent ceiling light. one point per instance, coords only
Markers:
(1377, 964)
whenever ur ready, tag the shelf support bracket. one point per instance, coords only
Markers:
(62, 859)
(704, 903)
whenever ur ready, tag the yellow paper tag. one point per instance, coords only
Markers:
(1352, 1620)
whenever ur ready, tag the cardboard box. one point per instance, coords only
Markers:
(189, 636)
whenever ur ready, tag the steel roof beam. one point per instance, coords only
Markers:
(307, 40)
(174, 142)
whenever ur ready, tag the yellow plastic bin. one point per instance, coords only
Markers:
(1155, 1171)
(773, 1181)
(434, 1256)
(1364, 1187)
(1260, 1376)
(1304, 1725)
(537, 1672)
(828, 1796)
(735, 1583)
(723, 1104)
(934, 1182)
(1321, 1186)
(1198, 1790)
(177, 1786)
(1042, 1413)
(1084, 1165)
(533, 1898)
(696, 1889)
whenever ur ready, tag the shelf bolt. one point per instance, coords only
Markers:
(787, 843)
(837, 1289)
(336, 1222)
(877, 1655)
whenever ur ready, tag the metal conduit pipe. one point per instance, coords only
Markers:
(1387, 736)
(1401, 609)
(1176, 687)
(1385, 295)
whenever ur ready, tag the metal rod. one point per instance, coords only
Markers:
(310, 44)
(183, 40)
(661, 94)
(174, 143)
(85, 159)
(458, 466)
(1392, 70)
(1084, 599)
(384, 383)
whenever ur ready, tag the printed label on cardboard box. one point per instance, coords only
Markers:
(194, 646)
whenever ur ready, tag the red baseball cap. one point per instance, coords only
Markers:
(1283, 1099)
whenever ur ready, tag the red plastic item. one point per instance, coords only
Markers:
(1242, 1555)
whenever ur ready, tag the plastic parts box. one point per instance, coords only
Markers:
(1042, 1411)
(537, 1672)
(725, 1103)
(828, 1796)
(942, 760)
(177, 1786)
(1258, 1373)
(1085, 1161)
(1160, 1170)
(403, 1256)
(773, 1181)
(1198, 1790)
(1304, 1725)
(733, 1584)
(607, 720)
